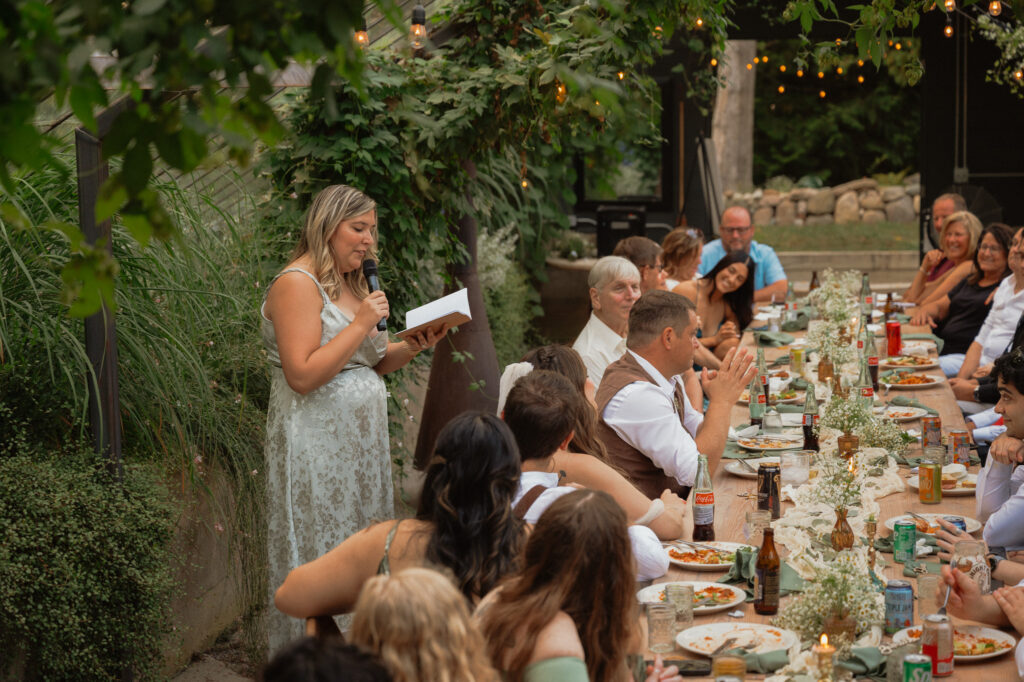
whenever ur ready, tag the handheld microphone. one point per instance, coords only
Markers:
(370, 273)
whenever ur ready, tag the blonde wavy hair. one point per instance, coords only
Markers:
(971, 225)
(331, 206)
(418, 625)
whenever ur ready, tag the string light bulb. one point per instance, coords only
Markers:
(839, 70)
(621, 75)
(821, 74)
(657, 32)
(525, 183)
(948, 31)
(782, 68)
(560, 93)
(714, 62)
(1018, 74)
(757, 60)
(799, 73)
(782, 89)
(418, 29)
(764, 59)
(361, 37)
(860, 62)
(700, 22)
(821, 94)
(995, 8)
(860, 79)
(899, 46)
(749, 66)
(950, 5)
(839, 42)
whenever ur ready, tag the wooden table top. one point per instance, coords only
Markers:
(730, 513)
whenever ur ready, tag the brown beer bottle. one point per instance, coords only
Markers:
(814, 281)
(703, 503)
(766, 576)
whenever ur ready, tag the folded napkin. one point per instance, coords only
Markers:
(905, 401)
(865, 661)
(903, 318)
(885, 544)
(779, 361)
(803, 316)
(939, 343)
(765, 663)
(773, 339)
(799, 383)
(742, 571)
(789, 408)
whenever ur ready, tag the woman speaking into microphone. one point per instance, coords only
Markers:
(328, 463)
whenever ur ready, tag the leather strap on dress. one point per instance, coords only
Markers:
(527, 501)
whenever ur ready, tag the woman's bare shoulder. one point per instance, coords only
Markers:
(687, 289)
(557, 639)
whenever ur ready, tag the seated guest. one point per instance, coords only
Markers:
(420, 627)
(646, 421)
(462, 524)
(737, 232)
(939, 263)
(681, 252)
(541, 412)
(614, 288)
(724, 298)
(645, 254)
(957, 316)
(961, 233)
(570, 614)
(997, 331)
(541, 428)
(314, 659)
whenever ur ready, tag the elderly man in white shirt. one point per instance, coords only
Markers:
(646, 421)
(614, 287)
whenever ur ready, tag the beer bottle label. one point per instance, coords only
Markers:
(704, 508)
(766, 586)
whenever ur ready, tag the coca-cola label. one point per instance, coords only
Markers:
(860, 344)
(873, 361)
(867, 392)
(761, 400)
(764, 379)
(704, 508)
(816, 417)
(809, 419)
(868, 300)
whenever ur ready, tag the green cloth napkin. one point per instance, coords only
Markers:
(789, 408)
(773, 339)
(865, 661)
(742, 571)
(803, 316)
(885, 544)
(780, 361)
(799, 383)
(939, 343)
(904, 401)
(903, 318)
(765, 663)
(929, 566)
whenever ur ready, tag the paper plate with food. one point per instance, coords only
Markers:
(771, 441)
(707, 597)
(909, 362)
(753, 637)
(930, 524)
(970, 642)
(720, 558)
(736, 468)
(954, 486)
(910, 380)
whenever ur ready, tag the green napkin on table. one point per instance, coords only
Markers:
(773, 339)
(905, 401)
(803, 316)
(929, 566)
(866, 661)
(765, 663)
(939, 343)
(799, 383)
(780, 361)
(885, 544)
(743, 571)
(788, 408)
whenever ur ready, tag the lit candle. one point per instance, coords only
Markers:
(853, 469)
(824, 652)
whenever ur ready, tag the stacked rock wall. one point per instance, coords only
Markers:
(857, 201)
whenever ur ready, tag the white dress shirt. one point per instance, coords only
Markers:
(644, 416)
(599, 346)
(650, 557)
(1019, 654)
(1000, 504)
(1001, 322)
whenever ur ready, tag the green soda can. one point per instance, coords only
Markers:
(904, 541)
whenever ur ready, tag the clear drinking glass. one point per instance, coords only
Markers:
(753, 529)
(772, 422)
(969, 557)
(661, 628)
(681, 599)
(936, 453)
(927, 588)
(796, 467)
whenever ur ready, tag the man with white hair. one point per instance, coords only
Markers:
(614, 287)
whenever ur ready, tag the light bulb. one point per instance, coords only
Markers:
(821, 94)
(764, 59)
(749, 66)
(714, 62)
(757, 60)
(560, 93)
(361, 37)
(799, 73)
(657, 32)
(524, 183)
(995, 8)
(418, 29)
(839, 42)
(948, 31)
(621, 75)
(860, 79)
(1018, 74)
(860, 62)
(782, 89)
(821, 74)
(950, 5)
(839, 70)
(782, 68)
(899, 46)
(700, 22)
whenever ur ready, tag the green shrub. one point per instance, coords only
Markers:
(86, 571)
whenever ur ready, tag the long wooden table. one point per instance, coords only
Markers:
(731, 509)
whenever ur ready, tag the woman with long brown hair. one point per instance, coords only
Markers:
(570, 613)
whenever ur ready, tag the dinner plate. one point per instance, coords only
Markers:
(725, 546)
(755, 637)
(909, 634)
(655, 594)
(928, 363)
(933, 381)
(958, 491)
(973, 525)
(904, 414)
(918, 347)
(771, 442)
(734, 467)
(798, 398)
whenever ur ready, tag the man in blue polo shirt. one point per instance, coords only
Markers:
(737, 232)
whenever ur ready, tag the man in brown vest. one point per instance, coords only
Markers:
(646, 421)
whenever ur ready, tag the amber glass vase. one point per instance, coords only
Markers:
(826, 370)
(847, 445)
(840, 624)
(842, 534)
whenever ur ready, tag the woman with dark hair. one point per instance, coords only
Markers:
(570, 614)
(957, 317)
(724, 298)
(464, 523)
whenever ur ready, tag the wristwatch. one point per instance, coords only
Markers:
(976, 389)
(993, 561)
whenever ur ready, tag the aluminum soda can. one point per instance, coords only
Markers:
(957, 521)
(917, 668)
(899, 606)
(931, 431)
(929, 482)
(768, 493)
(959, 444)
(937, 644)
(904, 540)
(893, 338)
(796, 360)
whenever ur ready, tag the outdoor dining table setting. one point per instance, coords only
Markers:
(835, 530)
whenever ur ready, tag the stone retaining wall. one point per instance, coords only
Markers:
(857, 201)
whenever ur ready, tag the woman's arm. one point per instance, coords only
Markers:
(931, 313)
(293, 305)
(971, 361)
(946, 283)
(917, 287)
(330, 584)
(400, 353)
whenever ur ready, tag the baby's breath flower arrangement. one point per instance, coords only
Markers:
(833, 298)
(882, 433)
(845, 414)
(827, 338)
(838, 487)
(839, 589)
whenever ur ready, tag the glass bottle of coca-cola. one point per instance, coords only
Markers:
(703, 503)
(762, 372)
(757, 403)
(810, 420)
